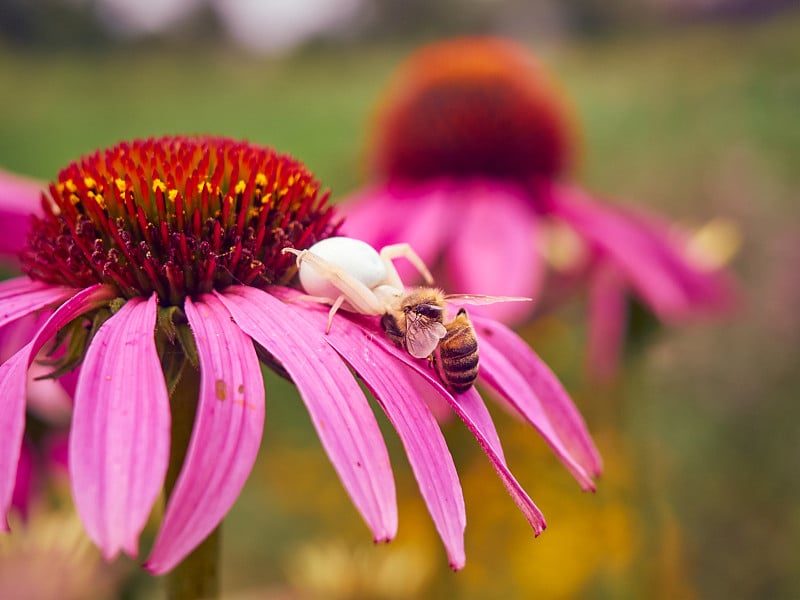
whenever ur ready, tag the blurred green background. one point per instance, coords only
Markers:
(691, 111)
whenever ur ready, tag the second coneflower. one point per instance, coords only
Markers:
(470, 149)
(159, 264)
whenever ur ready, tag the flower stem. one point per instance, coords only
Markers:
(197, 575)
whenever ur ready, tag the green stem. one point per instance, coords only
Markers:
(197, 575)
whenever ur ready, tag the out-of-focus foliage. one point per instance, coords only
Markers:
(699, 496)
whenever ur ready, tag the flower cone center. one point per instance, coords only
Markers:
(472, 107)
(178, 216)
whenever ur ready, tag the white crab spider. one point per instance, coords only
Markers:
(350, 274)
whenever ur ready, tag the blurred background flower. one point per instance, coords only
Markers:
(687, 107)
(472, 147)
(51, 558)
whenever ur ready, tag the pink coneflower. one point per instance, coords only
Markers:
(161, 262)
(470, 150)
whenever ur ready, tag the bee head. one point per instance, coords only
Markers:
(430, 311)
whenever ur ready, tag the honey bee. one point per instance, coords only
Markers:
(417, 324)
(351, 275)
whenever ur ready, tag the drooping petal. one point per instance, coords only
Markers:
(13, 377)
(23, 489)
(608, 318)
(19, 199)
(45, 397)
(19, 285)
(339, 410)
(625, 245)
(654, 264)
(227, 434)
(416, 426)
(22, 296)
(495, 251)
(472, 410)
(119, 440)
(509, 383)
(13, 382)
(470, 407)
(510, 367)
(707, 289)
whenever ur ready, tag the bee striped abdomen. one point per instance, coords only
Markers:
(457, 355)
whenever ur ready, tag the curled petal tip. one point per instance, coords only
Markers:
(109, 553)
(383, 538)
(540, 527)
(457, 560)
(148, 566)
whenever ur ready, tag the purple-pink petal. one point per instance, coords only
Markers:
(706, 290)
(654, 264)
(22, 296)
(338, 408)
(510, 366)
(608, 320)
(23, 488)
(119, 440)
(13, 382)
(19, 199)
(416, 426)
(496, 250)
(227, 434)
(470, 407)
(13, 379)
(625, 245)
(473, 412)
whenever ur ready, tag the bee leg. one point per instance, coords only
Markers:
(402, 250)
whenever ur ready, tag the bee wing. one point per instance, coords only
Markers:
(479, 299)
(422, 335)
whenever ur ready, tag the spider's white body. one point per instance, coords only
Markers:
(350, 274)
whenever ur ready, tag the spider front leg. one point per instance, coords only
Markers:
(402, 250)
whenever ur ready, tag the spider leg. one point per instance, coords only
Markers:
(402, 250)
(334, 307)
(310, 298)
(334, 304)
